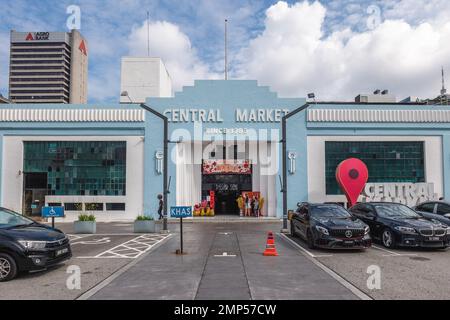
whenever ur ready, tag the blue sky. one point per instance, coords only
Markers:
(328, 29)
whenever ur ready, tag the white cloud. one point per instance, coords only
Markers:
(294, 57)
(174, 47)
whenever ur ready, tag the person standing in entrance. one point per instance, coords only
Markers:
(256, 206)
(240, 203)
(252, 206)
(260, 205)
(160, 206)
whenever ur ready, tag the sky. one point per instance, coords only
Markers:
(334, 48)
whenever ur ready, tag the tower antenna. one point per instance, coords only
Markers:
(226, 49)
(443, 90)
(148, 34)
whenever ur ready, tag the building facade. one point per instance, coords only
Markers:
(224, 141)
(48, 67)
(143, 77)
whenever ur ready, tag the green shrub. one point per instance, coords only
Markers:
(144, 218)
(86, 217)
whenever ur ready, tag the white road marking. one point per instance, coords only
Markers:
(97, 241)
(304, 250)
(130, 249)
(360, 294)
(392, 253)
(225, 254)
(118, 273)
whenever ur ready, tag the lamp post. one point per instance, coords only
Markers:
(165, 157)
(284, 168)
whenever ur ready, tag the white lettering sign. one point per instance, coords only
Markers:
(410, 194)
(215, 116)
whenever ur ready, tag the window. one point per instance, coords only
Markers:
(94, 206)
(115, 207)
(387, 161)
(78, 167)
(55, 204)
(73, 206)
(426, 207)
(443, 209)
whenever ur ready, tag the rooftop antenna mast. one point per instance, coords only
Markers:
(226, 49)
(443, 90)
(148, 34)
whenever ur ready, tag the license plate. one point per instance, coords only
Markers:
(434, 239)
(348, 242)
(62, 251)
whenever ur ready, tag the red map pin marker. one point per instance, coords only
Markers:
(352, 175)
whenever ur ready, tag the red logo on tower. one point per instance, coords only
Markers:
(29, 37)
(83, 48)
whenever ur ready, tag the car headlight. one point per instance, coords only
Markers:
(33, 245)
(322, 230)
(407, 230)
(366, 230)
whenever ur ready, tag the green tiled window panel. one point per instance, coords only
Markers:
(79, 167)
(387, 161)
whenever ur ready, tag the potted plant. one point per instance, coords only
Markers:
(85, 224)
(144, 224)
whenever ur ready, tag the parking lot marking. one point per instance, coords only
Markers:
(97, 241)
(225, 254)
(392, 253)
(86, 295)
(360, 294)
(130, 249)
(304, 250)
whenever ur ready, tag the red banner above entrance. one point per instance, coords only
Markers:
(227, 167)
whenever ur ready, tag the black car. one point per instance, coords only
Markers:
(26, 245)
(329, 226)
(395, 224)
(437, 210)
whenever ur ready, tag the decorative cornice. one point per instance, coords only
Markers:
(72, 115)
(374, 116)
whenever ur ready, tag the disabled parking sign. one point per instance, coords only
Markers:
(53, 212)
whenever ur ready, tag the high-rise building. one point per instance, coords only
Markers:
(143, 77)
(48, 67)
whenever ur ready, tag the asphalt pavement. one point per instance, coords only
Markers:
(224, 262)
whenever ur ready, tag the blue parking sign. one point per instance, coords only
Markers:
(53, 212)
(180, 212)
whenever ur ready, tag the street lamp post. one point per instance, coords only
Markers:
(284, 167)
(165, 157)
(165, 160)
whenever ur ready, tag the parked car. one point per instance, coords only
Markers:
(437, 210)
(329, 226)
(26, 245)
(395, 224)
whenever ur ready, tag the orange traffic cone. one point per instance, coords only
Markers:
(270, 246)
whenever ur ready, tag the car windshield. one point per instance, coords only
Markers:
(10, 219)
(396, 211)
(327, 211)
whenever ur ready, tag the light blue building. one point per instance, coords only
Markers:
(224, 140)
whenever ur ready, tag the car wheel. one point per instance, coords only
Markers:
(8, 267)
(310, 240)
(292, 229)
(388, 239)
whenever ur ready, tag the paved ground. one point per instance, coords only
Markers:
(98, 256)
(146, 267)
(206, 272)
(405, 273)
